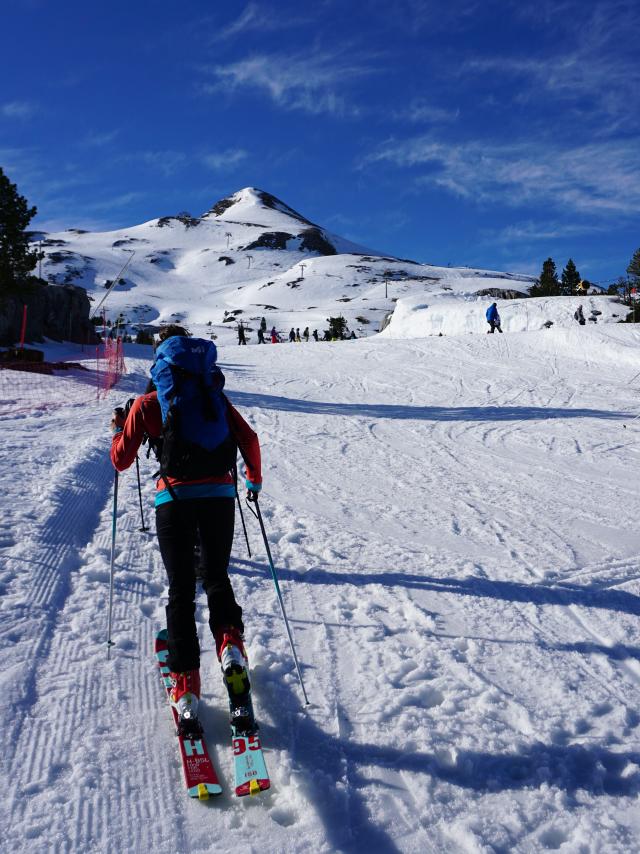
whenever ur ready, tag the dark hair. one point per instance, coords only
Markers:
(172, 329)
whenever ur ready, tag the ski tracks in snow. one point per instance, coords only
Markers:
(460, 511)
(453, 555)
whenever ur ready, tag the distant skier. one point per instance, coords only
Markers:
(261, 336)
(194, 502)
(298, 339)
(315, 334)
(352, 336)
(274, 335)
(292, 335)
(241, 337)
(305, 334)
(493, 319)
(263, 325)
(579, 316)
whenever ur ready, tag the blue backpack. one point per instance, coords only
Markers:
(196, 440)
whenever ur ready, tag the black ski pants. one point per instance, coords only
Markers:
(179, 525)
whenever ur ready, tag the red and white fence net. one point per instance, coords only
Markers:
(110, 365)
(28, 387)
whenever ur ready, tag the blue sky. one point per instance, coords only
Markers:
(469, 132)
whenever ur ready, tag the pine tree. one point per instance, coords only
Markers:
(144, 337)
(337, 327)
(618, 288)
(570, 278)
(634, 270)
(547, 284)
(17, 259)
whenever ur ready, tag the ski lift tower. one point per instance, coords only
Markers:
(386, 276)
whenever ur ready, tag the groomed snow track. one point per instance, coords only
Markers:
(454, 523)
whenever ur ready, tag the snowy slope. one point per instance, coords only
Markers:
(455, 527)
(249, 256)
(464, 314)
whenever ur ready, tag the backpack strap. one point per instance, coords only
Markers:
(170, 489)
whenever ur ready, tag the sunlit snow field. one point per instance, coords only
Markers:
(454, 521)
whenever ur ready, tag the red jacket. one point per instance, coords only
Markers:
(145, 417)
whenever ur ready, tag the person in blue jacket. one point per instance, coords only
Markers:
(493, 318)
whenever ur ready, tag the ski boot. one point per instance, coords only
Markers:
(184, 697)
(233, 662)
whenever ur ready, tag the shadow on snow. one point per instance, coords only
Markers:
(333, 772)
(332, 769)
(417, 413)
(509, 591)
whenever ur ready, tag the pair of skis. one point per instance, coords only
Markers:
(250, 771)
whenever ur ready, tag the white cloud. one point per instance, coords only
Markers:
(19, 164)
(115, 202)
(420, 111)
(222, 160)
(526, 268)
(594, 70)
(29, 169)
(99, 139)
(596, 178)
(416, 17)
(313, 83)
(531, 231)
(18, 109)
(262, 18)
(168, 162)
(248, 19)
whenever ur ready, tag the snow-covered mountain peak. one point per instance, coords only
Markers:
(255, 206)
(252, 256)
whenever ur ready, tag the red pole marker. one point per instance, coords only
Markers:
(24, 327)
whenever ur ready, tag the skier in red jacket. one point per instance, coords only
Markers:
(200, 510)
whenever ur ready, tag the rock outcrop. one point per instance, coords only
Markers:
(60, 312)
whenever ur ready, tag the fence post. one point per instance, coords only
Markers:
(24, 326)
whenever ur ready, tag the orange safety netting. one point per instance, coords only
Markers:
(111, 366)
(30, 386)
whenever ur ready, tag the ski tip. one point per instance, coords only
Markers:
(254, 787)
(203, 792)
(163, 634)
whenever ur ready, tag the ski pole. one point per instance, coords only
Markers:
(635, 418)
(244, 527)
(113, 557)
(258, 516)
(144, 528)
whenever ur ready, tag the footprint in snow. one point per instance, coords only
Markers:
(553, 838)
(283, 817)
(148, 610)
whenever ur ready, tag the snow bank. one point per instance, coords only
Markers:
(418, 317)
